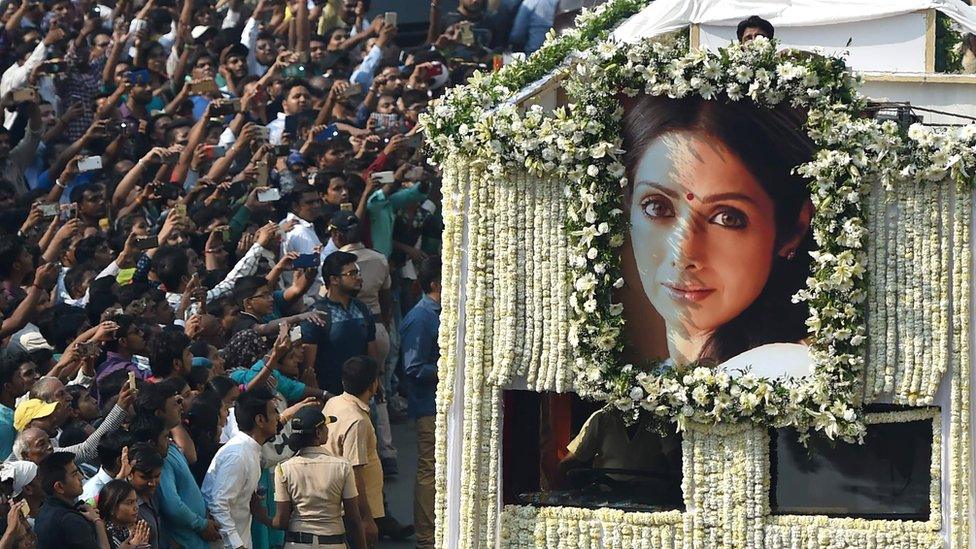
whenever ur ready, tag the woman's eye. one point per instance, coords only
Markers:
(730, 218)
(657, 206)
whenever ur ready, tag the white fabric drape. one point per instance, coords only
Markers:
(664, 16)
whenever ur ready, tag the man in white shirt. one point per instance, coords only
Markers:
(109, 450)
(305, 207)
(233, 475)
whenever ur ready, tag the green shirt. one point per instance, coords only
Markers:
(381, 211)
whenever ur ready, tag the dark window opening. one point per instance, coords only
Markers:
(559, 450)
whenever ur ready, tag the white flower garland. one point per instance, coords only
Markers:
(526, 244)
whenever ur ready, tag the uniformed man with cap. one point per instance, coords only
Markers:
(314, 488)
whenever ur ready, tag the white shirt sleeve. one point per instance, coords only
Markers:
(247, 266)
(221, 488)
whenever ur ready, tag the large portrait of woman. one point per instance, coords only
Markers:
(719, 234)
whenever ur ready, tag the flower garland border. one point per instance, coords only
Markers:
(851, 151)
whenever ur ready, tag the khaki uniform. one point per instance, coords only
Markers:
(352, 437)
(315, 482)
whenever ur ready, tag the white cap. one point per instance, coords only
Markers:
(21, 472)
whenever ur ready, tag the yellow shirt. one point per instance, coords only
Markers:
(315, 482)
(352, 437)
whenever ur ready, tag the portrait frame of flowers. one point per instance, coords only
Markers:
(852, 152)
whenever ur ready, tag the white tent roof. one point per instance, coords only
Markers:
(663, 16)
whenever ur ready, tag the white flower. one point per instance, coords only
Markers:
(592, 170)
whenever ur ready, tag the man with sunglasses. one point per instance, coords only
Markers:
(349, 331)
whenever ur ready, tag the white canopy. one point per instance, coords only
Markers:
(663, 16)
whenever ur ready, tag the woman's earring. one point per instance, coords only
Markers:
(790, 255)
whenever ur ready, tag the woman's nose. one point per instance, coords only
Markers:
(685, 244)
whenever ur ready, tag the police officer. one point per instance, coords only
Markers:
(313, 489)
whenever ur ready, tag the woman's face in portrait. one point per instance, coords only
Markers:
(703, 233)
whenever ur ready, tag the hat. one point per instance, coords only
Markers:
(31, 409)
(344, 220)
(34, 341)
(295, 158)
(20, 472)
(200, 31)
(238, 49)
(308, 419)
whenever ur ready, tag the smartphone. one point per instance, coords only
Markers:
(132, 380)
(48, 210)
(69, 211)
(352, 91)
(147, 243)
(330, 132)
(179, 210)
(25, 95)
(226, 107)
(306, 261)
(53, 66)
(466, 33)
(262, 174)
(225, 235)
(25, 508)
(88, 348)
(346, 206)
(139, 77)
(295, 334)
(270, 195)
(263, 133)
(293, 124)
(282, 150)
(390, 18)
(204, 87)
(89, 163)
(214, 151)
(383, 177)
(167, 191)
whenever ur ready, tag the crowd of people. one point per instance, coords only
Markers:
(219, 244)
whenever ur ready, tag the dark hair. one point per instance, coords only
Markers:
(333, 265)
(10, 361)
(54, 469)
(152, 398)
(247, 286)
(11, 247)
(358, 373)
(110, 447)
(754, 21)
(249, 406)
(430, 272)
(75, 392)
(200, 348)
(109, 387)
(219, 387)
(295, 196)
(73, 433)
(166, 348)
(111, 496)
(171, 265)
(144, 457)
(770, 143)
(146, 427)
(125, 322)
(198, 377)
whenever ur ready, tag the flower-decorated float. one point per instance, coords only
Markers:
(701, 296)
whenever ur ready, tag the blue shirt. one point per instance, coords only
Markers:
(183, 510)
(418, 346)
(532, 21)
(350, 330)
(7, 431)
(292, 390)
